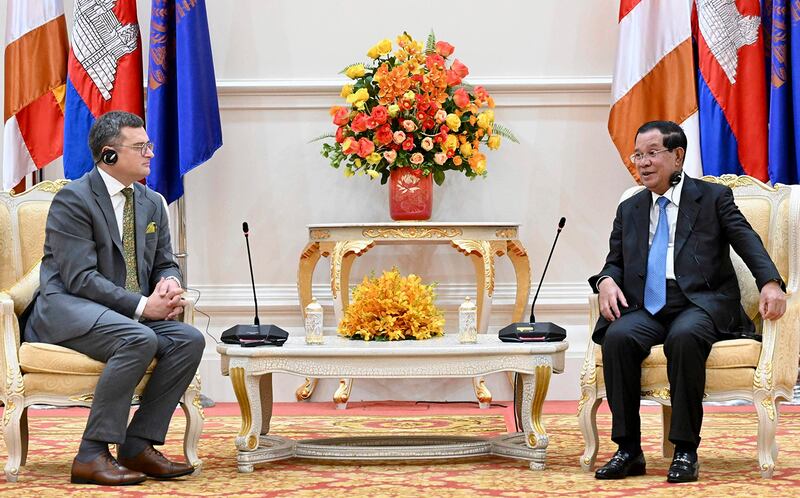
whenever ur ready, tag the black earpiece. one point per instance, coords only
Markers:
(675, 178)
(109, 156)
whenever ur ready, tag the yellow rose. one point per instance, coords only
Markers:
(373, 52)
(494, 142)
(485, 119)
(480, 167)
(356, 71)
(384, 46)
(360, 106)
(466, 149)
(357, 162)
(373, 158)
(453, 122)
(346, 90)
(373, 174)
(451, 142)
(394, 110)
(348, 173)
(361, 94)
(409, 95)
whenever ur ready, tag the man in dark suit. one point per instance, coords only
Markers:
(668, 279)
(110, 288)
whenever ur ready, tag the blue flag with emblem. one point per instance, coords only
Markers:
(182, 108)
(781, 19)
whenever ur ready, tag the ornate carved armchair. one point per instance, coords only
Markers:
(744, 369)
(36, 373)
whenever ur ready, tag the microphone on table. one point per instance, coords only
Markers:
(256, 334)
(534, 331)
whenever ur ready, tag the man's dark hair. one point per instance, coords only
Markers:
(674, 136)
(105, 131)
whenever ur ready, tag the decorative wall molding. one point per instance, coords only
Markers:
(507, 92)
(569, 297)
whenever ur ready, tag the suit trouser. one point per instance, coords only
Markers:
(687, 333)
(127, 347)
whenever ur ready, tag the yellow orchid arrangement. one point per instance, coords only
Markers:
(411, 108)
(392, 307)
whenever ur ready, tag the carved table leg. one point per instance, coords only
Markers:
(305, 273)
(248, 393)
(342, 394)
(534, 391)
(522, 271)
(482, 392)
(342, 258)
(306, 389)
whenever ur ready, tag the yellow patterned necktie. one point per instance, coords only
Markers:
(129, 243)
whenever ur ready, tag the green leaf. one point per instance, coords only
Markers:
(438, 177)
(430, 45)
(504, 132)
(322, 137)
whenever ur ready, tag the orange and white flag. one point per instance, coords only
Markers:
(654, 76)
(36, 55)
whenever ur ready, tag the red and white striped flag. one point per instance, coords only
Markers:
(35, 74)
(654, 77)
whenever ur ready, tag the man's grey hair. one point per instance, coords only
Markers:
(106, 130)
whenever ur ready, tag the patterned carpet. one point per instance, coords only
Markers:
(728, 458)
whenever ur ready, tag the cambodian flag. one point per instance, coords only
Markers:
(104, 73)
(731, 87)
(182, 109)
(782, 26)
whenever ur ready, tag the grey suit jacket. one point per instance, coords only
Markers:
(83, 267)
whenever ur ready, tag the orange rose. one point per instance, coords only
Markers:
(341, 117)
(461, 98)
(365, 147)
(444, 49)
(380, 114)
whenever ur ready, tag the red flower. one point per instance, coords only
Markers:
(444, 49)
(360, 123)
(350, 146)
(434, 60)
(342, 117)
(460, 69)
(481, 93)
(408, 144)
(428, 124)
(365, 147)
(383, 135)
(380, 114)
(340, 134)
(461, 98)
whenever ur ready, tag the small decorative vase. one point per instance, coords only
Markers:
(410, 195)
(467, 322)
(313, 323)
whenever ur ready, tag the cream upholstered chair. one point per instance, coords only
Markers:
(37, 373)
(740, 369)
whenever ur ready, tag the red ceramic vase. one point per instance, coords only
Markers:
(410, 195)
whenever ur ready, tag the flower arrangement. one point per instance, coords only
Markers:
(392, 307)
(411, 108)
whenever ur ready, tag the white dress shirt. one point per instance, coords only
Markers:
(114, 188)
(674, 196)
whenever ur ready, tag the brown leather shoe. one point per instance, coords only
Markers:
(105, 471)
(151, 462)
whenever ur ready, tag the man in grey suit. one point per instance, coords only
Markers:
(110, 289)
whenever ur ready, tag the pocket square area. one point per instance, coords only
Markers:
(151, 227)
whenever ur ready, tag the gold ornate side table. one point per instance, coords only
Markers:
(481, 242)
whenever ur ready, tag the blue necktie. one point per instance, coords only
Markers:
(655, 287)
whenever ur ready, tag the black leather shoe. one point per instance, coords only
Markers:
(622, 465)
(684, 468)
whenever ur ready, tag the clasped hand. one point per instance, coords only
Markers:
(165, 303)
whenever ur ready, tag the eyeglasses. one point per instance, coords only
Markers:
(143, 148)
(641, 156)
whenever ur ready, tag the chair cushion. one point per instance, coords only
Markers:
(655, 382)
(73, 387)
(40, 357)
(734, 353)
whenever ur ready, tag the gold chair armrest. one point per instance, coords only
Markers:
(9, 331)
(780, 349)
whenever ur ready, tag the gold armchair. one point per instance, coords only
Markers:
(36, 373)
(744, 369)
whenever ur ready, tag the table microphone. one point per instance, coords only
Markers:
(534, 331)
(256, 334)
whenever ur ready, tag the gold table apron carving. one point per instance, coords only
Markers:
(481, 242)
(251, 369)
